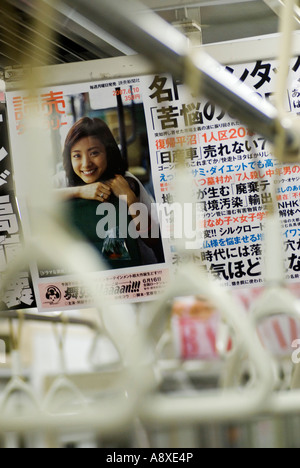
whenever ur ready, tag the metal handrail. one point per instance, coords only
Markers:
(169, 50)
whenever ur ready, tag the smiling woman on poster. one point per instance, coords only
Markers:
(95, 174)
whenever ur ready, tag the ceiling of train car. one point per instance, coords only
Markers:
(31, 32)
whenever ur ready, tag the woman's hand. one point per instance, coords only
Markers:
(120, 188)
(98, 191)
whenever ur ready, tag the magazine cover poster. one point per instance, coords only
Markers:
(234, 177)
(103, 180)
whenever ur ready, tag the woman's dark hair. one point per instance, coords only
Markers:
(97, 128)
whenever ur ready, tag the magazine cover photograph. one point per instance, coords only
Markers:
(103, 178)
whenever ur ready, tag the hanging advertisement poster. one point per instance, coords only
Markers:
(231, 171)
(101, 176)
(118, 144)
(19, 292)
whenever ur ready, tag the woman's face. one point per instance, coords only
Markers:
(89, 159)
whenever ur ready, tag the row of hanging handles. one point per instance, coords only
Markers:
(241, 331)
(18, 385)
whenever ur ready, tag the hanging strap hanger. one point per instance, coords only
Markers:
(17, 384)
(16, 341)
(60, 336)
(222, 403)
(62, 383)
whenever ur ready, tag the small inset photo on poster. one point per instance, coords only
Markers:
(103, 178)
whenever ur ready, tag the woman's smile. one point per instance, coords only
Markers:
(89, 173)
(89, 159)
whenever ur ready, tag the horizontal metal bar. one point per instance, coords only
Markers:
(158, 5)
(150, 35)
(33, 317)
(276, 6)
(71, 23)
